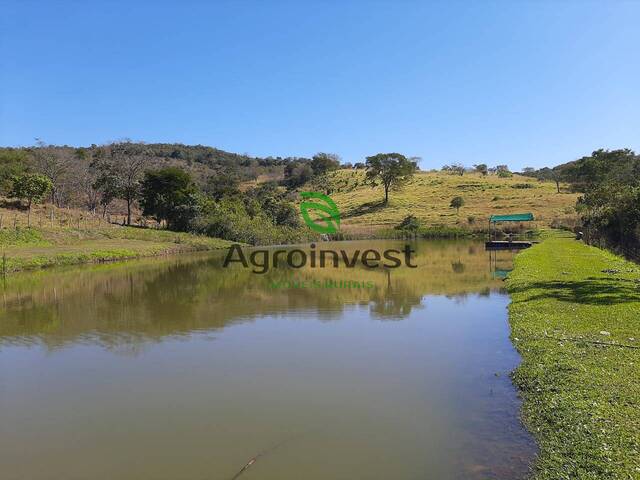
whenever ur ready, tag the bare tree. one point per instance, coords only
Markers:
(54, 165)
(85, 178)
(127, 164)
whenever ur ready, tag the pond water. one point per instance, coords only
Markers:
(177, 368)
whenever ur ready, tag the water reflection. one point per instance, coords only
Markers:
(178, 368)
(150, 299)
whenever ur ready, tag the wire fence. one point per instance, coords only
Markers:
(630, 250)
(60, 218)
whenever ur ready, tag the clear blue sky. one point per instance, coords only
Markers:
(527, 84)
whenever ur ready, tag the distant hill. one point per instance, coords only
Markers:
(200, 160)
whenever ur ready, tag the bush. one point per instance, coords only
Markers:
(409, 223)
(230, 220)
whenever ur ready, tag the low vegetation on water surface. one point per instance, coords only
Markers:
(575, 318)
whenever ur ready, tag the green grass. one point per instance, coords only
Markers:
(575, 318)
(33, 248)
(428, 195)
(22, 236)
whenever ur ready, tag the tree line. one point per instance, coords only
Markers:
(170, 185)
(609, 204)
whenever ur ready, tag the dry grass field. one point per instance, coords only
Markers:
(428, 195)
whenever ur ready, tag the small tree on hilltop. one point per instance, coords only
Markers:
(32, 187)
(549, 174)
(503, 171)
(457, 202)
(324, 162)
(482, 169)
(389, 169)
(457, 169)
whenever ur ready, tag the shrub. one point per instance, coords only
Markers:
(409, 223)
(457, 202)
(230, 220)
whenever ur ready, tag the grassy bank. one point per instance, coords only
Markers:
(32, 248)
(575, 317)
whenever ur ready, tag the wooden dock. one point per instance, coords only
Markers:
(506, 245)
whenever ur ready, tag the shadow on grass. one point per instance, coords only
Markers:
(592, 291)
(12, 204)
(369, 207)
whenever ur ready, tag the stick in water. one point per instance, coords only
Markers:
(261, 454)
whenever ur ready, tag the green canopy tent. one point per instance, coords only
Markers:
(514, 217)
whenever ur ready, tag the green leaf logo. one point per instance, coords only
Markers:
(329, 218)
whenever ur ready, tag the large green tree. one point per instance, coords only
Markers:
(390, 170)
(610, 205)
(13, 162)
(169, 195)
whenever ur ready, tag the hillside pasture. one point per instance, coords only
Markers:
(428, 196)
